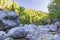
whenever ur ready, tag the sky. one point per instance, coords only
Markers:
(41, 5)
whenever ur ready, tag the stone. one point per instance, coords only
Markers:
(57, 23)
(17, 32)
(2, 35)
(35, 32)
(2, 15)
(56, 37)
(58, 29)
(53, 27)
(46, 37)
(33, 35)
(31, 27)
(8, 20)
(49, 21)
(22, 32)
(20, 39)
(9, 38)
(44, 30)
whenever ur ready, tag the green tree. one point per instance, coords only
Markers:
(54, 9)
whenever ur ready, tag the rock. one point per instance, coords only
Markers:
(12, 14)
(46, 37)
(20, 39)
(35, 32)
(8, 20)
(53, 27)
(49, 21)
(44, 26)
(17, 32)
(2, 15)
(56, 37)
(33, 35)
(58, 29)
(31, 27)
(21, 25)
(9, 38)
(57, 23)
(44, 30)
(2, 35)
(13, 20)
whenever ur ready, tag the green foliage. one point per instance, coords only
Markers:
(54, 9)
(5, 4)
(33, 16)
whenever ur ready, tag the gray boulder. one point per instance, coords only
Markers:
(56, 37)
(17, 32)
(57, 23)
(2, 35)
(33, 35)
(8, 20)
(53, 27)
(46, 37)
(31, 27)
(33, 32)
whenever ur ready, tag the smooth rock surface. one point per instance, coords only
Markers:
(2, 35)
(17, 32)
(56, 37)
(9, 38)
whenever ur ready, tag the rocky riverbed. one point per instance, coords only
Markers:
(11, 29)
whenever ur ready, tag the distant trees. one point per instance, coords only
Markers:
(54, 9)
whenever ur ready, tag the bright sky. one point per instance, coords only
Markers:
(34, 4)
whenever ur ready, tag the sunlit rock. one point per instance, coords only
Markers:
(46, 37)
(31, 27)
(17, 32)
(9, 38)
(56, 37)
(2, 35)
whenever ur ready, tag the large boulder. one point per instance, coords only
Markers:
(33, 35)
(22, 32)
(2, 35)
(8, 20)
(17, 32)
